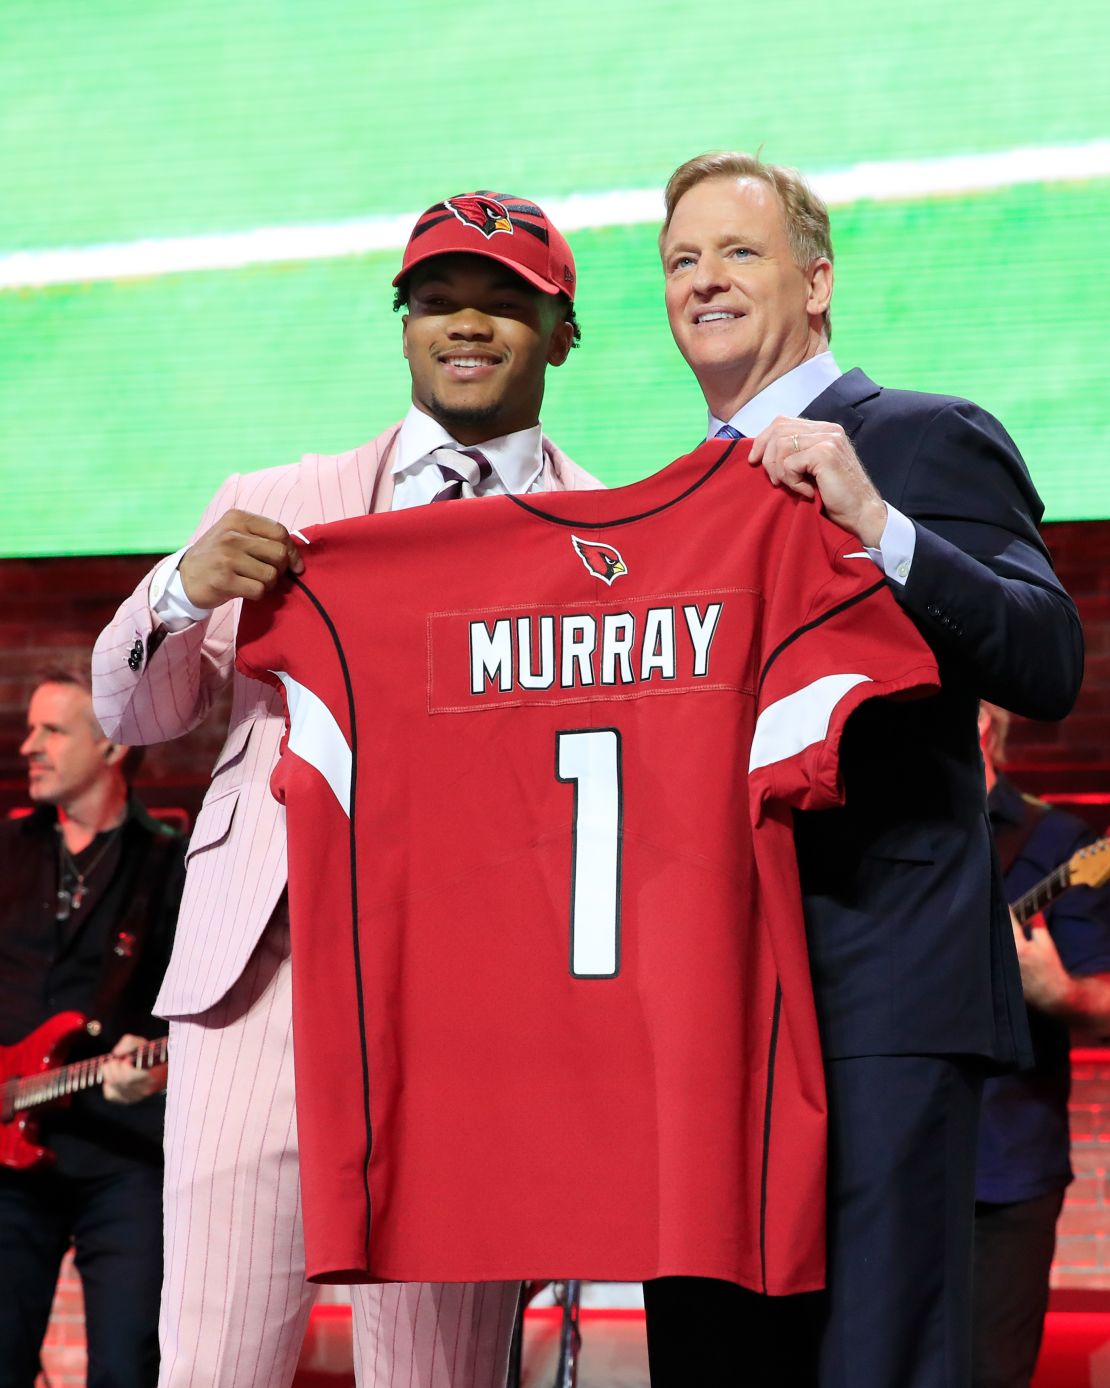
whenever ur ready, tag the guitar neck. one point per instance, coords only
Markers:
(33, 1090)
(1042, 894)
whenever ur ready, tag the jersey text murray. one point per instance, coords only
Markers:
(580, 650)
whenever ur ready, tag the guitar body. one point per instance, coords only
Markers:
(42, 1050)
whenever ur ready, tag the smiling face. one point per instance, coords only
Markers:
(742, 311)
(478, 340)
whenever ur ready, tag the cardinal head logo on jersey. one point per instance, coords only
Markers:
(484, 214)
(603, 561)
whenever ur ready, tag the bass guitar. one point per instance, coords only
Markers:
(31, 1076)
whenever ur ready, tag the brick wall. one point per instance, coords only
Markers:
(63, 1352)
(1074, 756)
(1083, 1234)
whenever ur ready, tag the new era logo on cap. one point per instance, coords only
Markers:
(514, 232)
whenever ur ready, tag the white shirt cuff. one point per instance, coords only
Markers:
(167, 596)
(896, 545)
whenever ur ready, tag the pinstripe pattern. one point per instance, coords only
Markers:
(235, 1302)
(434, 1334)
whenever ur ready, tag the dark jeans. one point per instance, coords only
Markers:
(1014, 1244)
(115, 1223)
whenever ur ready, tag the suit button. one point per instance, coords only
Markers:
(135, 659)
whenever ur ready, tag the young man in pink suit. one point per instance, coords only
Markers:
(488, 284)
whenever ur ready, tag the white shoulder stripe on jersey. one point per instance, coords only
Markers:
(316, 738)
(788, 726)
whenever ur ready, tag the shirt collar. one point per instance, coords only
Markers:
(788, 395)
(516, 458)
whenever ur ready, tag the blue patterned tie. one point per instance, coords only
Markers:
(726, 431)
(464, 470)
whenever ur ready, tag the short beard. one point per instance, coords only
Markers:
(453, 417)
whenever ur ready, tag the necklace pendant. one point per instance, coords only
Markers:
(78, 896)
(64, 905)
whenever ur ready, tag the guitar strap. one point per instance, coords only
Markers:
(1010, 839)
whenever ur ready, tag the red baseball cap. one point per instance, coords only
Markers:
(500, 227)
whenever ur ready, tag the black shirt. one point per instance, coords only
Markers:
(101, 954)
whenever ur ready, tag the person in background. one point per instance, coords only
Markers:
(91, 885)
(1024, 1162)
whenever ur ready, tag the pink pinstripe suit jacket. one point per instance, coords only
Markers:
(236, 857)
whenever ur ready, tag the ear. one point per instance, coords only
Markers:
(562, 340)
(114, 753)
(405, 336)
(819, 277)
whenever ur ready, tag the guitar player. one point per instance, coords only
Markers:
(1023, 1164)
(89, 894)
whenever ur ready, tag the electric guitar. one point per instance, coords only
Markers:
(1089, 867)
(31, 1076)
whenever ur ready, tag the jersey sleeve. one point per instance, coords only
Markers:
(832, 637)
(286, 639)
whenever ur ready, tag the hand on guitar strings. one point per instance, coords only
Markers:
(123, 1083)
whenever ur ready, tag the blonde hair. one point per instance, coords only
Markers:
(806, 216)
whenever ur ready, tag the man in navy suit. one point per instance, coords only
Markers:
(912, 952)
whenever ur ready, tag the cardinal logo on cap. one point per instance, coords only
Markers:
(486, 215)
(603, 561)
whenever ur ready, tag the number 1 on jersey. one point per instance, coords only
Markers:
(590, 759)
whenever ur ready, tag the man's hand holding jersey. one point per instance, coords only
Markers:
(241, 556)
(812, 458)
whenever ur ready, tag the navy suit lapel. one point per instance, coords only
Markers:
(838, 404)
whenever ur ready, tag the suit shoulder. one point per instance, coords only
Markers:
(322, 462)
(925, 405)
(1063, 831)
(941, 421)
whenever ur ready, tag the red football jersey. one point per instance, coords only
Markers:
(552, 1006)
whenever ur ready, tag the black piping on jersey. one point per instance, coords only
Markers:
(625, 520)
(618, 903)
(355, 948)
(767, 1137)
(817, 621)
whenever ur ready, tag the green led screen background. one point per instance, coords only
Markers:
(125, 400)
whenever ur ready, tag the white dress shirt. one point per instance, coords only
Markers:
(517, 466)
(789, 395)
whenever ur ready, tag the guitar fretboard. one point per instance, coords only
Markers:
(29, 1091)
(1043, 894)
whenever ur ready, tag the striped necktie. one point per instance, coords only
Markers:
(463, 469)
(726, 431)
